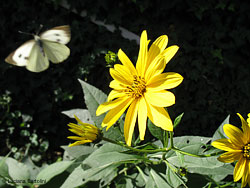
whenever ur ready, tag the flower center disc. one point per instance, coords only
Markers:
(137, 88)
(246, 151)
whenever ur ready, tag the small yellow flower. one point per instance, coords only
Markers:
(142, 89)
(86, 133)
(238, 149)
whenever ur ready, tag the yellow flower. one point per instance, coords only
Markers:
(238, 149)
(142, 89)
(86, 133)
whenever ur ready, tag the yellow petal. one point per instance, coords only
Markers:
(117, 76)
(229, 157)
(80, 142)
(104, 107)
(225, 145)
(245, 175)
(246, 129)
(129, 123)
(170, 52)
(124, 72)
(142, 117)
(75, 137)
(126, 62)
(142, 57)
(115, 94)
(235, 134)
(161, 98)
(239, 169)
(157, 47)
(117, 85)
(248, 177)
(155, 68)
(159, 117)
(164, 81)
(113, 115)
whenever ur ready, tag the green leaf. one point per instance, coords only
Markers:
(78, 151)
(173, 178)
(4, 167)
(178, 120)
(82, 114)
(155, 131)
(114, 133)
(53, 170)
(18, 171)
(100, 165)
(207, 165)
(93, 98)
(219, 133)
(159, 179)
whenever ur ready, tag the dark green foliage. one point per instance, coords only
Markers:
(213, 58)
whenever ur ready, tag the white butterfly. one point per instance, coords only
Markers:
(49, 45)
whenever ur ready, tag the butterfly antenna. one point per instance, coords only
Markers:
(40, 28)
(25, 33)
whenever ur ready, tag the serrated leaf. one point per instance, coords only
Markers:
(219, 133)
(93, 98)
(102, 162)
(53, 170)
(82, 114)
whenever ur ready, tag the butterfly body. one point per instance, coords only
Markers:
(49, 45)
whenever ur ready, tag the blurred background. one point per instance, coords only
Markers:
(213, 58)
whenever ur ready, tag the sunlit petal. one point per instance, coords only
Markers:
(161, 98)
(80, 142)
(113, 115)
(157, 47)
(164, 81)
(246, 129)
(245, 174)
(159, 117)
(142, 117)
(239, 169)
(124, 72)
(118, 77)
(229, 157)
(117, 85)
(170, 52)
(115, 94)
(104, 107)
(234, 133)
(126, 62)
(155, 68)
(225, 145)
(142, 57)
(130, 120)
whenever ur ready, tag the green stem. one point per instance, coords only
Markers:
(194, 155)
(161, 149)
(135, 149)
(171, 139)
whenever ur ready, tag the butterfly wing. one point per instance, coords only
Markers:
(53, 42)
(60, 34)
(20, 56)
(38, 61)
(56, 52)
